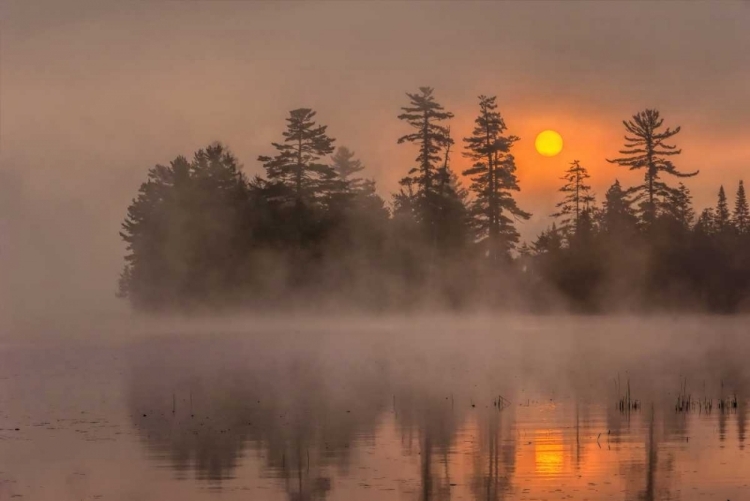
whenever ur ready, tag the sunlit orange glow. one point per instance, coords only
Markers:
(549, 452)
(548, 143)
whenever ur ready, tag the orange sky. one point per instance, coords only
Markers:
(94, 93)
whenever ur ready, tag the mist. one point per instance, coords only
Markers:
(310, 250)
(414, 408)
(78, 136)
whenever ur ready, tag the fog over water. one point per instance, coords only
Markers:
(319, 392)
(409, 408)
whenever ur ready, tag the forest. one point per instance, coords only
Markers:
(313, 232)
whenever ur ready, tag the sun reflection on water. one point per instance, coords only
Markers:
(549, 452)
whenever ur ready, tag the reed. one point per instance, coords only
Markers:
(627, 403)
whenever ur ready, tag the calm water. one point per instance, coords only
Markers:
(393, 411)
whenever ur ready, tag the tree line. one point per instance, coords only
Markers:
(313, 230)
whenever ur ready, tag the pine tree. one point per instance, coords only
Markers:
(578, 198)
(348, 189)
(722, 219)
(405, 201)
(356, 223)
(450, 227)
(493, 180)
(617, 213)
(679, 205)
(300, 185)
(645, 148)
(741, 213)
(345, 166)
(424, 115)
(182, 231)
(549, 241)
(454, 218)
(706, 224)
(296, 166)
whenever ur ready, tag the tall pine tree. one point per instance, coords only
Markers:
(617, 217)
(346, 166)
(184, 231)
(348, 187)
(645, 148)
(706, 223)
(424, 115)
(296, 166)
(722, 219)
(493, 179)
(548, 241)
(297, 179)
(741, 213)
(578, 198)
(679, 206)
(453, 222)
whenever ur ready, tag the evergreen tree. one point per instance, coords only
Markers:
(549, 241)
(424, 115)
(645, 148)
(680, 207)
(296, 166)
(706, 223)
(741, 213)
(617, 216)
(355, 227)
(577, 201)
(184, 231)
(586, 229)
(493, 180)
(405, 201)
(454, 220)
(722, 219)
(299, 184)
(345, 166)
(349, 190)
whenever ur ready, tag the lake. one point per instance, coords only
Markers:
(428, 408)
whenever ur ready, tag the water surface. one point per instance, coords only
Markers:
(489, 409)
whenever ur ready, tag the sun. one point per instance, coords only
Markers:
(549, 143)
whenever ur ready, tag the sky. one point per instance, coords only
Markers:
(92, 94)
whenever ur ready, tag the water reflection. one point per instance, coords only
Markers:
(494, 461)
(206, 416)
(549, 453)
(378, 425)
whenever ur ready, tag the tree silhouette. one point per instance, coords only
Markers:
(314, 228)
(493, 180)
(705, 225)
(183, 230)
(345, 166)
(679, 206)
(645, 148)
(356, 223)
(722, 219)
(741, 213)
(297, 179)
(548, 241)
(452, 221)
(578, 198)
(424, 115)
(349, 189)
(296, 164)
(617, 216)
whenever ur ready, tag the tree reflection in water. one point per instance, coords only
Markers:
(306, 414)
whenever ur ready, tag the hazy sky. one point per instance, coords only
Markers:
(93, 94)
